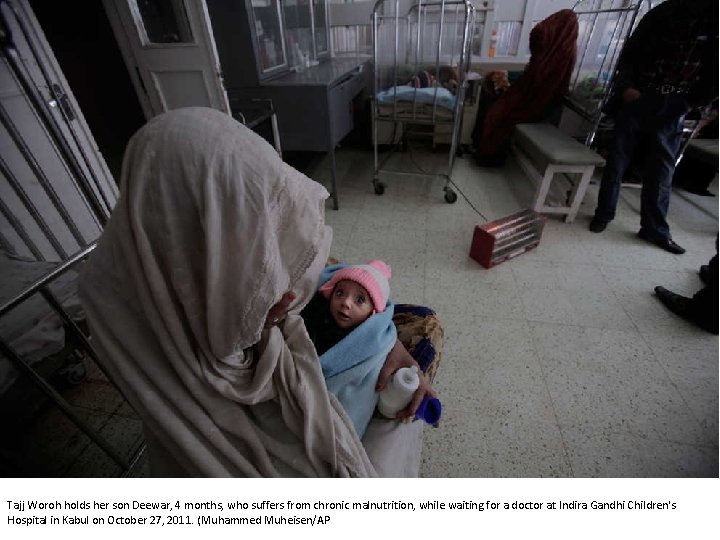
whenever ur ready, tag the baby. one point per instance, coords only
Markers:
(344, 301)
(350, 322)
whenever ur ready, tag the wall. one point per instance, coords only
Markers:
(511, 19)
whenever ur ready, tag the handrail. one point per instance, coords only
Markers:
(35, 287)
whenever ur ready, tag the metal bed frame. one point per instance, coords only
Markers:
(434, 33)
(42, 287)
(604, 27)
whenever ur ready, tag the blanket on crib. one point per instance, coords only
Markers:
(351, 367)
(442, 97)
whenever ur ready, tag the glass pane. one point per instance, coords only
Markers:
(299, 30)
(268, 34)
(352, 40)
(477, 38)
(507, 37)
(321, 36)
(165, 21)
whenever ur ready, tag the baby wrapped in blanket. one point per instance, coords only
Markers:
(350, 322)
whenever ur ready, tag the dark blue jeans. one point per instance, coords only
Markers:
(650, 127)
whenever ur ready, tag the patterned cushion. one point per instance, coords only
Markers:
(421, 332)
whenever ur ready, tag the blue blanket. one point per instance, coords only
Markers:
(440, 96)
(351, 367)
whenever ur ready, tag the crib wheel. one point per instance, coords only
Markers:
(379, 187)
(450, 196)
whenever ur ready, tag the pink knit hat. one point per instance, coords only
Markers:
(374, 276)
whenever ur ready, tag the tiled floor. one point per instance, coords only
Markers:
(560, 362)
(46, 443)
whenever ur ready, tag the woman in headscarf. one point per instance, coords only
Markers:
(553, 50)
(193, 297)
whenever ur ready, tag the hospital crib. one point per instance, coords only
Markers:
(421, 56)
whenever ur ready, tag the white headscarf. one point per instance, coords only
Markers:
(210, 230)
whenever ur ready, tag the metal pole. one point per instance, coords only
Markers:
(47, 278)
(437, 57)
(460, 97)
(373, 105)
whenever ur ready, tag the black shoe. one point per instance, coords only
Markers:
(665, 243)
(682, 307)
(597, 226)
(705, 274)
(679, 305)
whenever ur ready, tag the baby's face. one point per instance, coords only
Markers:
(350, 304)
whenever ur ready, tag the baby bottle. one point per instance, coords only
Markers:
(398, 393)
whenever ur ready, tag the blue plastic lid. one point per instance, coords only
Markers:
(429, 410)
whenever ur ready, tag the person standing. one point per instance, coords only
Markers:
(668, 66)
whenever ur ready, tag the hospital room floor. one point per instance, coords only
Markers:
(559, 362)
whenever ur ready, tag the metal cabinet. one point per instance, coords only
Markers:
(341, 97)
(314, 107)
(279, 50)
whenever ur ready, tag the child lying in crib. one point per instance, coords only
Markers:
(447, 77)
(350, 322)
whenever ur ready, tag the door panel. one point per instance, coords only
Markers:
(55, 187)
(180, 88)
(170, 52)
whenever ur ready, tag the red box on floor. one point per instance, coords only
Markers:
(497, 241)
